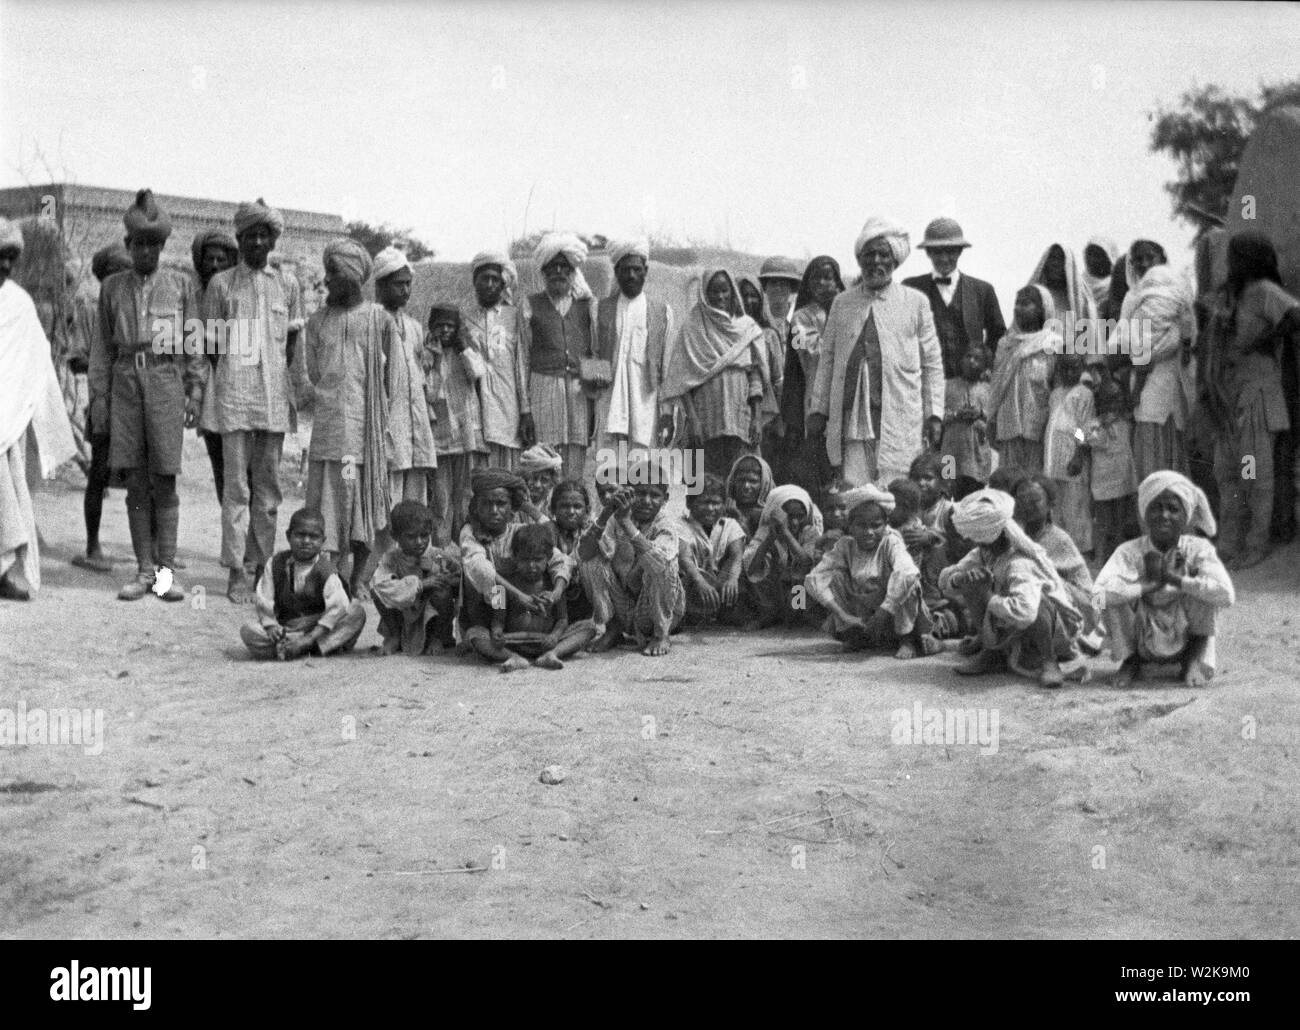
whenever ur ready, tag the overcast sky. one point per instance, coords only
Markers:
(778, 126)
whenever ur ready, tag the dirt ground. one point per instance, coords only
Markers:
(742, 786)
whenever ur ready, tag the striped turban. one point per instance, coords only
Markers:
(540, 458)
(258, 213)
(1191, 496)
(629, 248)
(11, 235)
(146, 219)
(349, 258)
(388, 261)
(213, 238)
(857, 496)
(893, 234)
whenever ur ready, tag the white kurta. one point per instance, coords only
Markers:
(630, 407)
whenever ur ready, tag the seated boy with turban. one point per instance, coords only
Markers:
(1025, 616)
(302, 607)
(1160, 594)
(540, 467)
(869, 584)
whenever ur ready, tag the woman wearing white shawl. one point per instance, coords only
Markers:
(1099, 258)
(1071, 297)
(1026, 616)
(715, 374)
(1160, 594)
(1021, 385)
(1156, 319)
(29, 398)
(780, 555)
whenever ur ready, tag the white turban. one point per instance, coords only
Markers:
(1192, 497)
(894, 234)
(540, 457)
(859, 495)
(489, 257)
(629, 248)
(574, 250)
(388, 261)
(11, 235)
(782, 495)
(982, 516)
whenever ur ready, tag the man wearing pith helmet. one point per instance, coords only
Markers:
(965, 309)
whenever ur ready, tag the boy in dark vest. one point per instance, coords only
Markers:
(302, 607)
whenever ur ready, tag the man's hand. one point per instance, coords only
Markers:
(815, 425)
(729, 593)
(916, 537)
(971, 578)
(497, 632)
(192, 410)
(851, 621)
(755, 423)
(709, 595)
(276, 633)
(527, 429)
(666, 430)
(1175, 568)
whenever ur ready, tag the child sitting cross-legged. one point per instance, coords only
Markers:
(519, 631)
(869, 584)
(711, 548)
(415, 584)
(302, 605)
(781, 554)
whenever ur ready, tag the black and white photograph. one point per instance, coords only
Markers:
(693, 470)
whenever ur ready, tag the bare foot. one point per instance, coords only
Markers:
(606, 640)
(391, 645)
(95, 561)
(1195, 676)
(237, 588)
(14, 585)
(657, 647)
(1129, 670)
(514, 664)
(1051, 676)
(906, 650)
(549, 661)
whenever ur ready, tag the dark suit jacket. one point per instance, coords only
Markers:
(980, 311)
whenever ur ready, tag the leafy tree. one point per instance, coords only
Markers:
(376, 237)
(1206, 134)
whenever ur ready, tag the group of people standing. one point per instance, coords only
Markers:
(966, 469)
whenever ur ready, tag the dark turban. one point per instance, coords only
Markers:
(146, 219)
(110, 259)
(483, 480)
(259, 212)
(214, 238)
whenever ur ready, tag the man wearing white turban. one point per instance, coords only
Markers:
(1026, 617)
(30, 399)
(562, 329)
(878, 395)
(411, 456)
(632, 334)
(340, 372)
(1160, 594)
(253, 314)
(495, 330)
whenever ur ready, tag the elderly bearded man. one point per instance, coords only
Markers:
(878, 397)
(249, 394)
(632, 334)
(147, 387)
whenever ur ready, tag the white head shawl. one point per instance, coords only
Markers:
(574, 251)
(894, 234)
(780, 495)
(11, 235)
(629, 248)
(388, 261)
(1192, 497)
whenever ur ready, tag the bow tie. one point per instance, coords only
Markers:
(943, 280)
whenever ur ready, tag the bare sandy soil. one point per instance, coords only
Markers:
(742, 786)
